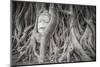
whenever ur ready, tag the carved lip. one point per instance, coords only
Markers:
(42, 28)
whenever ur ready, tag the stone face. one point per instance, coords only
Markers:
(43, 21)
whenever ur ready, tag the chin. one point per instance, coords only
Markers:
(41, 31)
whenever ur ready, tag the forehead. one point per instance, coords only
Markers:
(44, 15)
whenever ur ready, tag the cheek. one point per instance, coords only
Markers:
(45, 24)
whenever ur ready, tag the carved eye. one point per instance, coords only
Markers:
(44, 18)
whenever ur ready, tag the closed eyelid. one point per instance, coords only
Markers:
(43, 21)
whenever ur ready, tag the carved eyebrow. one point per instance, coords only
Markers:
(43, 21)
